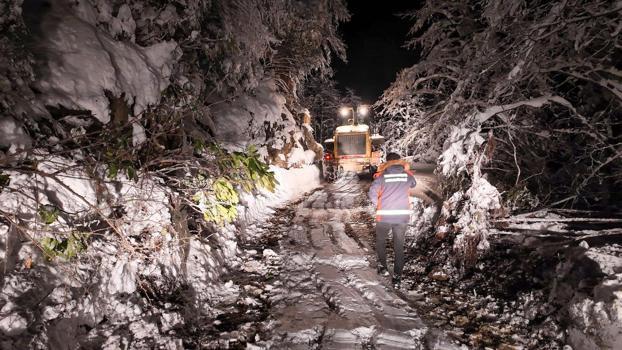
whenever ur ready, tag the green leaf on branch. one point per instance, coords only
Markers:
(48, 213)
(5, 180)
(113, 171)
(240, 171)
(67, 248)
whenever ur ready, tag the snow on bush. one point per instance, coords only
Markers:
(480, 201)
(542, 76)
(459, 150)
(460, 166)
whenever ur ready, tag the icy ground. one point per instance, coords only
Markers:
(311, 283)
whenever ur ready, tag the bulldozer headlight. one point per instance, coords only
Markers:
(362, 111)
(344, 111)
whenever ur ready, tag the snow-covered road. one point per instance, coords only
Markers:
(329, 295)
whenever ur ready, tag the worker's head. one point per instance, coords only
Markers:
(393, 156)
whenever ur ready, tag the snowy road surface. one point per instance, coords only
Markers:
(331, 296)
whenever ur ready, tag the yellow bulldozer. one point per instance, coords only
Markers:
(353, 148)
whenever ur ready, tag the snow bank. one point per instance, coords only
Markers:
(145, 257)
(292, 184)
(82, 62)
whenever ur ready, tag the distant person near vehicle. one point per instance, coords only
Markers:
(389, 194)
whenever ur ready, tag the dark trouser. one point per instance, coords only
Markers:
(399, 230)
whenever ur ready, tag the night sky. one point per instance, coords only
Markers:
(374, 37)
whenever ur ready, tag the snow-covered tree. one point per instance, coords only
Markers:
(232, 45)
(523, 95)
(543, 78)
(322, 98)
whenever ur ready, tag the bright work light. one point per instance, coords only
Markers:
(362, 110)
(345, 111)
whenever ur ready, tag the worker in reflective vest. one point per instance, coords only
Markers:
(389, 194)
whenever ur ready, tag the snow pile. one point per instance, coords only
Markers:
(292, 183)
(84, 62)
(589, 286)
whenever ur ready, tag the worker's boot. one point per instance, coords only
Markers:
(397, 282)
(382, 271)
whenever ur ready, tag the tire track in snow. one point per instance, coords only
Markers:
(352, 234)
(332, 297)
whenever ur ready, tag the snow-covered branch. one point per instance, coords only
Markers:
(517, 64)
(537, 102)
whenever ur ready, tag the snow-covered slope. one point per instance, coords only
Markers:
(116, 287)
(99, 250)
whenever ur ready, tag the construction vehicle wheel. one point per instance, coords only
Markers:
(329, 174)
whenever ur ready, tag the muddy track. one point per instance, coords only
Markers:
(308, 281)
(330, 296)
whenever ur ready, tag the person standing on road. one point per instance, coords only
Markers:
(389, 194)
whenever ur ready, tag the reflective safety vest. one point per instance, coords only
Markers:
(389, 192)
